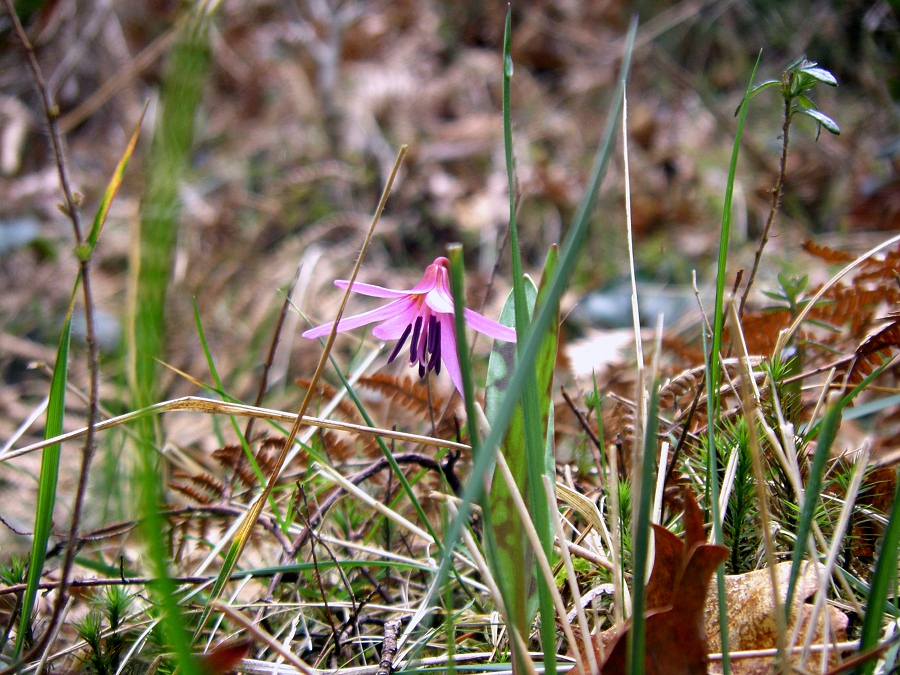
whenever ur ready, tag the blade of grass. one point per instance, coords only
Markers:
(885, 575)
(113, 188)
(535, 412)
(725, 235)
(712, 483)
(531, 341)
(169, 155)
(714, 366)
(640, 523)
(46, 499)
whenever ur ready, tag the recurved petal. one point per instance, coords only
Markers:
(488, 326)
(373, 290)
(389, 311)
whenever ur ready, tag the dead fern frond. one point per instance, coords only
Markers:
(874, 349)
(829, 255)
(231, 457)
(191, 493)
(406, 392)
(337, 447)
(326, 391)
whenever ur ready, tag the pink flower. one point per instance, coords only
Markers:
(426, 313)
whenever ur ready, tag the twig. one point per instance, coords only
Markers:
(262, 636)
(335, 634)
(270, 358)
(776, 202)
(51, 113)
(595, 440)
(389, 647)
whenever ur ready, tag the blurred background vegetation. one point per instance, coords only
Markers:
(303, 104)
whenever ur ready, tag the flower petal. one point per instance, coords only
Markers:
(393, 328)
(489, 327)
(389, 311)
(435, 275)
(439, 300)
(448, 352)
(372, 290)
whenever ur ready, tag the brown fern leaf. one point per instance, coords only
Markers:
(207, 482)
(268, 452)
(832, 256)
(883, 267)
(761, 329)
(404, 391)
(880, 344)
(232, 457)
(192, 493)
(336, 446)
(326, 391)
(682, 384)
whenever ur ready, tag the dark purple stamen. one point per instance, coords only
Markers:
(434, 363)
(414, 345)
(432, 332)
(400, 344)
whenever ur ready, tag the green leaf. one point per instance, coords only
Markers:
(822, 119)
(819, 74)
(509, 553)
(46, 499)
(805, 102)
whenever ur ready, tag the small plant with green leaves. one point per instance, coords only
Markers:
(104, 630)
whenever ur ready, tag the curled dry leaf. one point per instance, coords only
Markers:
(676, 641)
(751, 616)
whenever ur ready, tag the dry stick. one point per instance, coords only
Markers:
(51, 113)
(572, 578)
(389, 647)
(596, 446)
(776, 202)
(212, 407)
(262, 636)
(270, 357)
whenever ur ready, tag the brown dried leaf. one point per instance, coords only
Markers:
(676, 642)
(751, 616)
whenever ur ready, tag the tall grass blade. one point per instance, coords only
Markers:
(725, 235)
(536, 400)
(46, 499)
(169, 155)
(885, 575)
(640, 522)
(530, 343)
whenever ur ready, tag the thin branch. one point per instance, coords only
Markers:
(776, 202)
(51, 114)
